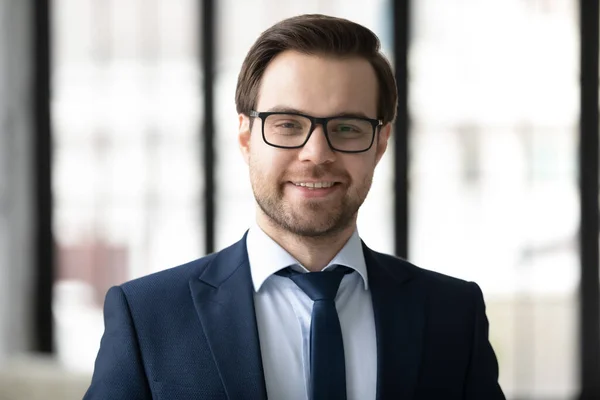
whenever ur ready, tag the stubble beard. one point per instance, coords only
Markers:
(315, 219)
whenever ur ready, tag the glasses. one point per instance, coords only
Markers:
(288, 130)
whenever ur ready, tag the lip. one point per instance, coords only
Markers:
(316, 192)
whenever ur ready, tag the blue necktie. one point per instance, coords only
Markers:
(327, 364)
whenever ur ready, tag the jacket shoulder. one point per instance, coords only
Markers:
(173, 280)
(429, 280)
(169, 277)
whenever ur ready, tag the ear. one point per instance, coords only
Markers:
(244, 136)
(382, 141)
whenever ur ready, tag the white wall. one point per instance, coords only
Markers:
(16, 233)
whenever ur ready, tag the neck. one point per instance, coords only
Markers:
(313, 253)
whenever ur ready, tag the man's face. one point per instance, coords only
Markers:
(321, 87)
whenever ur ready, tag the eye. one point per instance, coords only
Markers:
(289, 125)
(350, 127)
(347, 128)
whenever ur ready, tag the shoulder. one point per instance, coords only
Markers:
(169, 277)
(449, 301)
(436, 284)
(435, 278)
(174, 281)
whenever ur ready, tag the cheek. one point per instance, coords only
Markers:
(360, 170)
(267, 164)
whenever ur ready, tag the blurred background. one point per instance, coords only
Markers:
(118, 158)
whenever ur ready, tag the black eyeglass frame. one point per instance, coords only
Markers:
(314, 121)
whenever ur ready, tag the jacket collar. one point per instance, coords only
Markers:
(224, 302)
(399, 311)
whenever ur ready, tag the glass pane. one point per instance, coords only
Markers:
(127, 183)
(494, 197)
(240, 25)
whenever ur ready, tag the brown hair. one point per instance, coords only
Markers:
(316, 34)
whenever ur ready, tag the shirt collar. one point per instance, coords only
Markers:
(267, 257)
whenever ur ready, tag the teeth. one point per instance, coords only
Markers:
(315, 185)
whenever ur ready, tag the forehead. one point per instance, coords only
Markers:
(319, 85)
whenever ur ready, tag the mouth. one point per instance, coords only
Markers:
(315, 185)
(315, 190)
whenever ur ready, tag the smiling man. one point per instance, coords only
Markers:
(300, 307)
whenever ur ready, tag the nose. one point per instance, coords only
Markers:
(317, 148)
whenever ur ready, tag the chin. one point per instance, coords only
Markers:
(304, 226)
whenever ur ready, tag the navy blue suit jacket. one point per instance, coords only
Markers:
(190, 333)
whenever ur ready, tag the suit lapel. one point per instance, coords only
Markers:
(223, 297)
(399, 314)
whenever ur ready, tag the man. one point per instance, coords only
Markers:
(300, 308)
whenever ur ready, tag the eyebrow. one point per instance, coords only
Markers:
(348, 114)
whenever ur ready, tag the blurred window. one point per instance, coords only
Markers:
(494, 98)
(127, 176)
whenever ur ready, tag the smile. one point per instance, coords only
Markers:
(314, 185)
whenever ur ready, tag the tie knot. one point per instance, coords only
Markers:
(318, 285)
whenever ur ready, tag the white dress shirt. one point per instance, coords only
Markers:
(283, 315)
